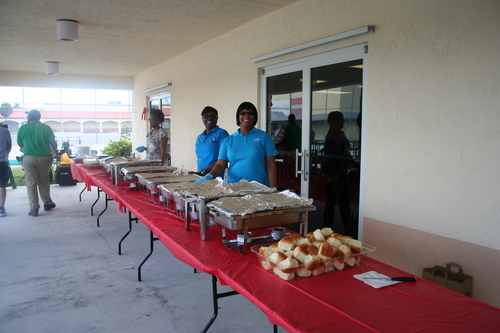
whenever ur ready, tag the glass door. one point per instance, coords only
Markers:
(300, 96)
(284, 96)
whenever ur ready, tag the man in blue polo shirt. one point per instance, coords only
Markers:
(208, 143)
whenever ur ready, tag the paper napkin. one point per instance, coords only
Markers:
(374, 282)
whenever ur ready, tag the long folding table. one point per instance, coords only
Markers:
(326, 303)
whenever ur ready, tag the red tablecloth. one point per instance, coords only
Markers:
(330, 302)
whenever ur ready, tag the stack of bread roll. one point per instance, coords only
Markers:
(319, 252)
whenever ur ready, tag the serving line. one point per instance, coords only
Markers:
(338, 300)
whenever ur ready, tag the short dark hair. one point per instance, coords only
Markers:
(335, 116)
(208, 109)
(34, 115)
(158, 113)
(291, 118)
(246, 106)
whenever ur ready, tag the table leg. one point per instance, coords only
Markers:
(84, 188)
(130, 219)
(152, 239)
(215, 298)
(98, 197)
(107, 198)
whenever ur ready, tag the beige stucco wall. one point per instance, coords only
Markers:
(431, 113)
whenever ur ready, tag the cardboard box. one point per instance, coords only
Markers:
(450, 277)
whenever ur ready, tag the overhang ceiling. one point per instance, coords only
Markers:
(116, 37)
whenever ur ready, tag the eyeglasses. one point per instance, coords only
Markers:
(209, 116)
(244, 113)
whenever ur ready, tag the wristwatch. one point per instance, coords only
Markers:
(203, 172)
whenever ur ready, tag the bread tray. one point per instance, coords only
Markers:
(333, 264)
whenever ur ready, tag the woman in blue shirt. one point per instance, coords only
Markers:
(250, 152)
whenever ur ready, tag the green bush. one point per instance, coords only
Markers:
(121, 147)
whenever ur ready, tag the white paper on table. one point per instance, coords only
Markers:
(374, 282)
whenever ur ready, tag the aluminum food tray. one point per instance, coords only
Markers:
(151, 184)
(264, 219)
(168, 191)
(258, 220)
(130, 172)
(142, 176)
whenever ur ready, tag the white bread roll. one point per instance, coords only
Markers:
(303, 272)
(289, 265)
(355, 245)
(266, 251)
(338, 264)
(313, 249)
(325, 252)
(318, 235)
(284, 276)
(287, 243)
(303, 241)
(265, 264)
(311, 262)
(300, 252)
(334, 242)
(326, 231)
(351, 261)
(276, 258)
(274, 246)
(329, 266)
(318, 243)
(344, 252)
(310, 236)
(345, 239)
(320, 270)
(295, 236)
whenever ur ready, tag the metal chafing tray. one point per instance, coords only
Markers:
(258, 220)
(257, 211)
(116, 167)
(130, 172)
(167, 191)
(151, 184)
(195, 205)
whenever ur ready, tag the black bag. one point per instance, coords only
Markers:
(64, 176)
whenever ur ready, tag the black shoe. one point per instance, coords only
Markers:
(49, 206)
(33, 212)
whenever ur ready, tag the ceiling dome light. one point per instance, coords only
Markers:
(67, 30)
(52, 67)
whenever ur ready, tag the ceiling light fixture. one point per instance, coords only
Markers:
(52, 67)
(67, 30)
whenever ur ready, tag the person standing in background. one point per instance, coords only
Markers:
(157, 138)
(293, 135)
(5, 147)
(208, 143)
(38, 144)
(336, 163)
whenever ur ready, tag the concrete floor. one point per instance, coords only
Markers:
(61, 273)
